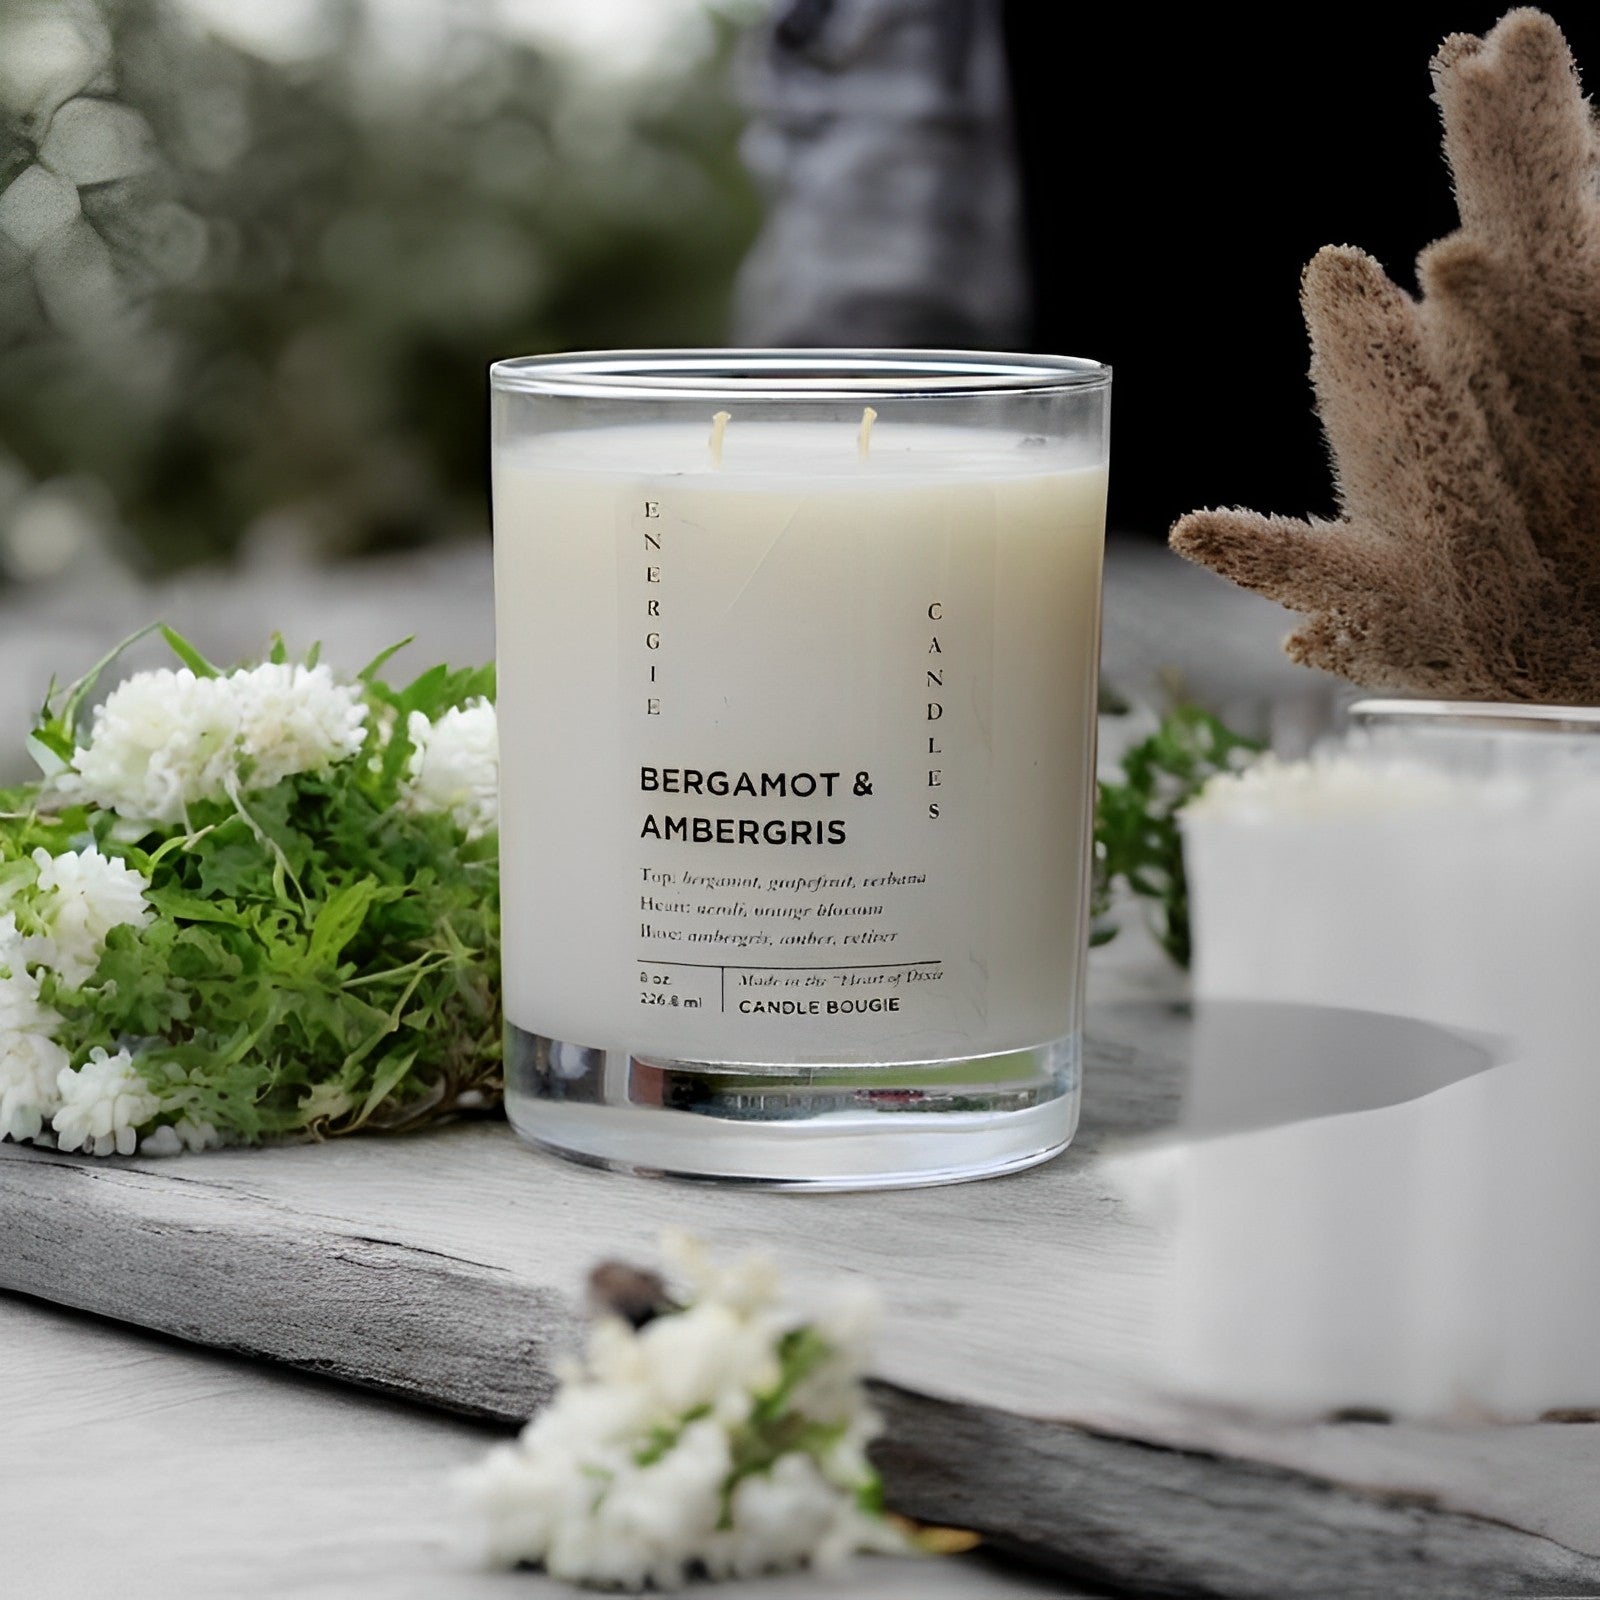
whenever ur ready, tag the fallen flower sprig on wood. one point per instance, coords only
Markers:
(707, 1431)
(250, 905)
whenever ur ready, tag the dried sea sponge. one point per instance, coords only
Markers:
(1464, 426)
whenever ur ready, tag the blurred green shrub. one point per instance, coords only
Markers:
(243, 298)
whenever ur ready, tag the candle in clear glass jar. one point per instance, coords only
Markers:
(797, 686)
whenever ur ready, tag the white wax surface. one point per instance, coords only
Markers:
(816, 454)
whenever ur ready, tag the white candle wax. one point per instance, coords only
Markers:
(1429, 1257)
(797, 739)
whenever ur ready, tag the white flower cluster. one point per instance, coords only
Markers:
(162, 742)
(71, 903)
(723, 1439)
(165, 739)
(455, 767)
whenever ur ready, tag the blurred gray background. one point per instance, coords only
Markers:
(254, 258)
(256, 254)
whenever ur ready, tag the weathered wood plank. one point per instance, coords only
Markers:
(1124, 1517)
(248, 1275)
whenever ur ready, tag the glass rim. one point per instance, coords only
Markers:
(1476, 715)
(795, 374)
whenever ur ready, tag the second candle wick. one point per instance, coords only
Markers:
(864, 437)
(719, 426)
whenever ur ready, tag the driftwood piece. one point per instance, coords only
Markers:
(449, 1268)
(222, 1267)
(1121, 1517)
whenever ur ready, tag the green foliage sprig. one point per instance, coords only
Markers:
(1137, 842)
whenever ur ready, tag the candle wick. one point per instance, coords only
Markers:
(719, 426)
(864, 437)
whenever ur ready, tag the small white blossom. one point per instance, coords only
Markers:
(162, 1141)
(708, 1355)
(629, 1477)
(517, 1498)
(103, 1104)
(748, 1283)
(295, 719)
(172, 1139)
(653, 1521)
(455, 767)
(21, 1010)
(790, 1515)
(30, 1064)
(82, 896)
(30, 1058)
(160, 742)
(849, 1322)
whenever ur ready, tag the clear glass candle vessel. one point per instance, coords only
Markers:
(797, 656)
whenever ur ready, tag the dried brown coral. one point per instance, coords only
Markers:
(1464, 426)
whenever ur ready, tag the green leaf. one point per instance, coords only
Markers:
(391, 1069)
(14, 875)
(869, 1497)
(187, 654)
(135, 992)
(200, 955)
(338, 922)
(369, 673)
(440, 689)
(50, 750)
(664, 1437)
(58, 727)
(194, 908)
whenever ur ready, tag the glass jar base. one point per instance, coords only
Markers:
(796, 1126)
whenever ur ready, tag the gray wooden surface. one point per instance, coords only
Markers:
(445, 1268)
(138, 1468)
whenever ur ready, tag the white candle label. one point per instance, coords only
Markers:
(806, 750)
(795, 767)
